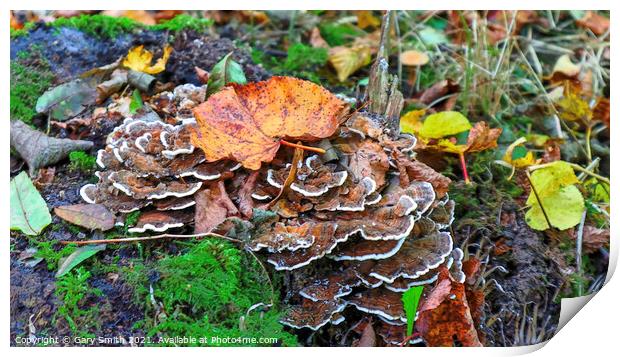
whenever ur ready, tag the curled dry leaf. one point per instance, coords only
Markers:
(92, 216)
(442, 89)
(347, 61)
(40, 150)
(246, 123)
(368, 338)
(213, 206)
(601, 111)
(594, 238)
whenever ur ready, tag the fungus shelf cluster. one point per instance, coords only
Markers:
(355, 227)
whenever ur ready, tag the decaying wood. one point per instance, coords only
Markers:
(382, 92)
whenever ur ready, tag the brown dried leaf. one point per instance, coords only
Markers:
(91, 216)
(203, 76)
(213, 206)
(246, 204)
(415, 170)
(594, 238)
(368, 339)
(481, 137)
(452, 318)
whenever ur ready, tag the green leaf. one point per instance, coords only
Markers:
(411, 299)
(519, 152)
(78, 256)
(29, 212)
(136, 102)
(443, 124)
(67, 100)
(564, 209)
(224, 72)
(432, 37)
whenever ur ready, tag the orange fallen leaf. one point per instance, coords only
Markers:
(248, 123)
(598, 24)
(450, 318)
(601, 111)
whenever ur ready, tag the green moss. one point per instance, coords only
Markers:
(300, 56)
(23, 31)
(81, 161)
(28, 82)
(339, 34)
(301, 61)
(183, 22)
(101, 26)
(209, 289)
(72, 290)
(47, 252)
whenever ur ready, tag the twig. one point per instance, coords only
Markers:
(578, 253)
(464, 168)
(574, 166)
(303, 147)
(588, 146)
(529, 178)
(139, 239)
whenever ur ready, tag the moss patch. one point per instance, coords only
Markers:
(73, 290)
(81, 161)
(183, 22)
(206, 293)
(101, 26)
(28, 82)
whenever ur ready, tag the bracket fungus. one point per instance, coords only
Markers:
(353, 229)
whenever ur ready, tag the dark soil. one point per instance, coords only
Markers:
(71, 52)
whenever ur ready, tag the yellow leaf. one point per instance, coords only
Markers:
(447, 145)
(572, 108)
(549, 179)
(140, 60)
(347, 61)
(564, 209)
(365, 19)
(410, 123)
(598, 190)
(522, 160)
(537, 140)
(443, 124)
